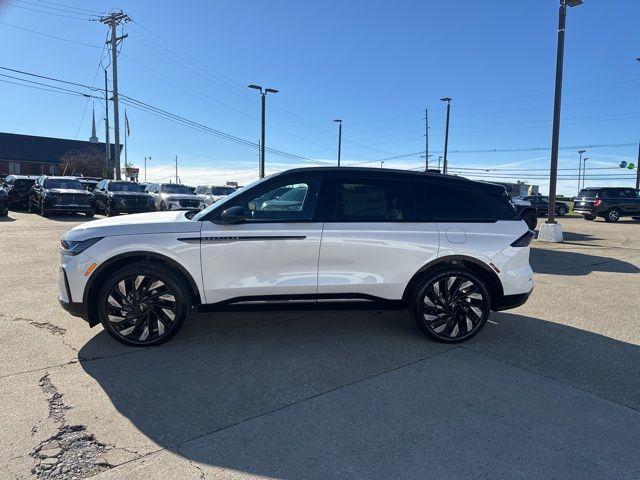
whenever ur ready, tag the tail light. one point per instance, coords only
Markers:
(597, 202)
(524, 240)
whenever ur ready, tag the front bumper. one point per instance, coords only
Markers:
(75, 309)
(69, 208)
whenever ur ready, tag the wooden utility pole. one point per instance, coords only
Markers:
(113, 20)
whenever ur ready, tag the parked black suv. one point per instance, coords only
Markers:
(18, 188)
(610, 203)
(115, 196)
(541, 204)
(60, 194)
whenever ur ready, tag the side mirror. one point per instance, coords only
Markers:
(233, 215)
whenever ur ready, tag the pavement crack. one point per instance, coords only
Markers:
(48, 326)
(73, 452)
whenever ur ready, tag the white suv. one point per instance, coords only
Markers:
(449, 249)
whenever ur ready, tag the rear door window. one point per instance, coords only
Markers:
(460, 203)
(374, 200)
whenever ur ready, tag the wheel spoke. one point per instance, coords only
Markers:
(141, 308)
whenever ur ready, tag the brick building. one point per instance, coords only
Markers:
(31, 155)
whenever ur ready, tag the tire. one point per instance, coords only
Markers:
(4, 213)
(612, 215)
(448, 301)
(30, 206)
(109, 212)
(531, 219)
(590, 217)
(142, 317)
(43, 210)
(90, 213)
(562, 211)
(163, 206)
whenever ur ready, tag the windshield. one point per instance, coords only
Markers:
(175, 188)
(588, 193)
(222, 190)
(227, 199)
(23, 183)
(68, 183)
(125, 187)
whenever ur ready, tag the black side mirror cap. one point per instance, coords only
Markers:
(233, 215)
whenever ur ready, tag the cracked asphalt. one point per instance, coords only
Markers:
(548, 390)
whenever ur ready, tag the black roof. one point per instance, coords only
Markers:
(392, 172)
(18, 147)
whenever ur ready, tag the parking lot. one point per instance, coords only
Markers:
(548, 390)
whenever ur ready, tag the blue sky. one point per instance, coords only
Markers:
(375, 64)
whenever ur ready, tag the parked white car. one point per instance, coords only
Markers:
(447, 248)
(173, 196)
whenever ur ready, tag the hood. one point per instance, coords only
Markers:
(181, 196)
(137, 224)
(67, 190)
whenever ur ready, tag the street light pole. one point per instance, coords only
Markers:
(584, 170)
(263, 93)
(446, 133)
(555, 136)
(339, 122)
(579, 167)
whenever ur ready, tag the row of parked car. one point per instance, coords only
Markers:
(51, 194)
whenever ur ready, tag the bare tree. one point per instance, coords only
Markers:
(88, 162)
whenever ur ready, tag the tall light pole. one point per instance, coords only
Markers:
(446, 133)
(579, 167)
(553, 233)
(339, 122)
(584, 170)
(426, 140)
(638, 161)
(263, 93)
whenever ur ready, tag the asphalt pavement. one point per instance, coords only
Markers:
(548, 390)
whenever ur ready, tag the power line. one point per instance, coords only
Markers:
(53, 79)
(86, 19)
(71, 7)
(49, 35)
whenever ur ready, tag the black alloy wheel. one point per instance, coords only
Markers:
(143, 304)
(451, 305)
(612, 215)
(562, 210)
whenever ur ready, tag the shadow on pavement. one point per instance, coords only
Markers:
(72, 217)
(365, 395)
(578, 237)
(563, 262)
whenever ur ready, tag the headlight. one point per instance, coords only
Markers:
(68, 247)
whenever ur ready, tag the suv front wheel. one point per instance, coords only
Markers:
(143, 304)
(451, 305)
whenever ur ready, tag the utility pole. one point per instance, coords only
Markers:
(339, 122)
(446, 133)
(439, 160)
(113, 20)
(638, 169)
(580, 167)
(426, 140)
(107, 157)
(176, 168)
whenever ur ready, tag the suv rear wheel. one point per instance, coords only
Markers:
(562, 210)
(451, 305)
(613, 215)
(531, 219)
(589, 217)
(143, 304)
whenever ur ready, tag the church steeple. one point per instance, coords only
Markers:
(94, 138)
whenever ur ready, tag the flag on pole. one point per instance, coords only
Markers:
(126, 124)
